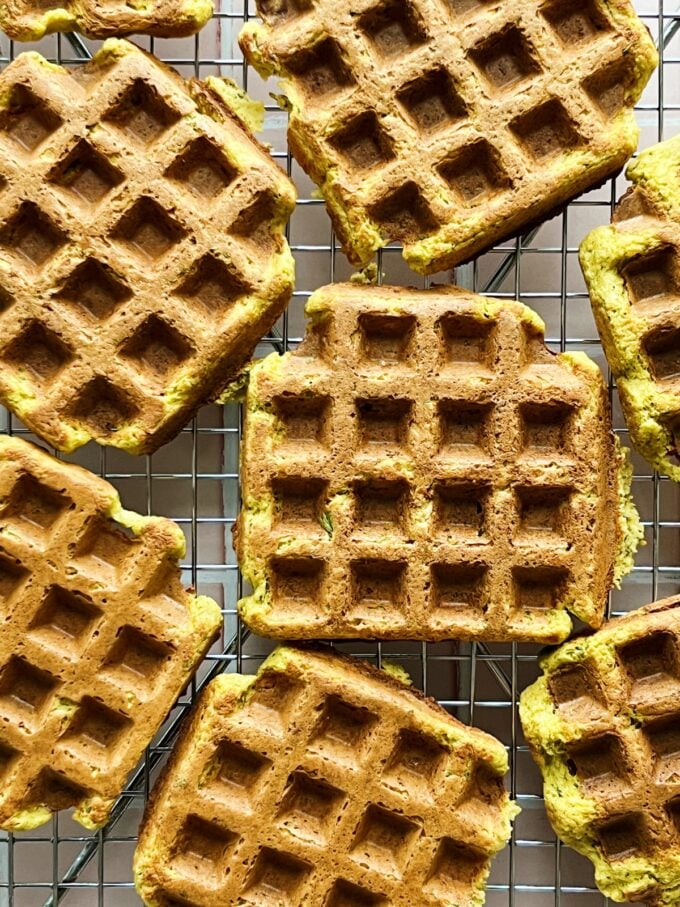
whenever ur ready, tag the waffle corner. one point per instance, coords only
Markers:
(603, 727)
(375, 503)
(306, 737)
(90, 663)
(632, 269)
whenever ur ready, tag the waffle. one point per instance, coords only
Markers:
(98, 639)
(322, 781)
(424, 468)
(141, 246)
(30, 20)
(632, 269)
(449, 125)
(604, 727)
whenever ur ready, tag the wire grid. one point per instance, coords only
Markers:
(194, 480)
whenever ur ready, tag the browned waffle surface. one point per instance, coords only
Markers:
(423, 467)
(604, 727)
(29, 20)
(321, 781)
(632, 268)
(448, 125)
(141, 246)
(99, 637)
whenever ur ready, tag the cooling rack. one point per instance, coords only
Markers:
(194, 480)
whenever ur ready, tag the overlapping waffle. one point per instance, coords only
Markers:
(321, 781)
(424, 468)
(604, 726)
(632, 269)
(449, 125)
(141, 246)
(30, 20)
(98, 637)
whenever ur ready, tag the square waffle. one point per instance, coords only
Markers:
(30, 20)
(604, 727)
(325, 783)
(141, 246)
(449, 125)
(423, 467)
(98, 637)
(632, 269)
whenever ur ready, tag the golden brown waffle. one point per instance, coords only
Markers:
(30, 20)
(141, 246)
(98, 640)
(449, 125)
(604, 727)
(424, 468)
(632, 269)
(322, 782)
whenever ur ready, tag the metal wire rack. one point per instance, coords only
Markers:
(194, 480)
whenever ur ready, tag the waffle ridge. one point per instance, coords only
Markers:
(632, 269)
(323, 782)
(99, 637)
(424, 468)
(447, 125)
(141, 246)
(29, 20)
(603, 725)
